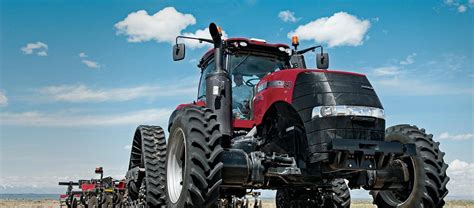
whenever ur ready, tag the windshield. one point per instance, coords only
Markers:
(249, 65)
(247, 69)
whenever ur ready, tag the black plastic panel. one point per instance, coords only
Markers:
(322, 89)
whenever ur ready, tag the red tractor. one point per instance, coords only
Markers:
(262, 120)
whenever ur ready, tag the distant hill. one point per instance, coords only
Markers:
(28, 196)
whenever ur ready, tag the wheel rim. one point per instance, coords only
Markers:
(400, 197)
(176, 165)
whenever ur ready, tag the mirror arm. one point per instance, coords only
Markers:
(193, 38)
(310, 49)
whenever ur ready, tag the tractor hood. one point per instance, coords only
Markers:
(359, 111)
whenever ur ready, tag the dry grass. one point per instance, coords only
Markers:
(267, 203)
(47, 203)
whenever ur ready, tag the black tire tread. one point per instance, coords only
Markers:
(153, 152)
(205, 144)
(341, 197)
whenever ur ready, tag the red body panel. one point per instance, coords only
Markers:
(264, 99)
(62, 196)
(198, 103)
(87, 187)
(121, 185)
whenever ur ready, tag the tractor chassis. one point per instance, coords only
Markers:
(363, 160)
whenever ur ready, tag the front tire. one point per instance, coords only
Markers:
(428, 179)
(193, 167)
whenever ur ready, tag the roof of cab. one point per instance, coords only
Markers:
(250, 42)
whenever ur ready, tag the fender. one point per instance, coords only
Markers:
(181, 106)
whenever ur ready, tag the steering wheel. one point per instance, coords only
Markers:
(243, 109)
(249, 83)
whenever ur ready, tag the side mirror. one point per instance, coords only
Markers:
(322, 60)
(179, 51)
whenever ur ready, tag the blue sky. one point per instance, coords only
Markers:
(76, 78)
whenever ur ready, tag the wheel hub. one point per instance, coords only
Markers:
(176, 165)
(399, 197)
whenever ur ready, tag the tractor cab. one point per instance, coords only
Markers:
(247, 61)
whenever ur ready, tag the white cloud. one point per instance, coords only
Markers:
(162, 26)
(91, 64)
(3, 99)
(127, 147)
(82, 55)
(287, 16)
(386, 71)
(67, 119)
(42, 53)
(450, 2)
(40, 48)
(83, 93)
(456, 5)
(448, 136)
(409, 60)
(338, 30)
(461, 175)
(462, 8)
(204, 33)
(409, 86)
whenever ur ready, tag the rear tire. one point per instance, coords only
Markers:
(427, 167)
(193, 167)
(148, 152)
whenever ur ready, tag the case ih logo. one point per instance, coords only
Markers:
(274, 84)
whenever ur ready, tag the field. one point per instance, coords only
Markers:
(268, 203)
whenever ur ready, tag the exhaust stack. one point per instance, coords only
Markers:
(218, 85)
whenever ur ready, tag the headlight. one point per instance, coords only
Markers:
(347, 110)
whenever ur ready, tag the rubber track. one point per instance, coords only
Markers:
(153, 144)
(434, 176)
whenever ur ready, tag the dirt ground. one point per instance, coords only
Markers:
(267, 203)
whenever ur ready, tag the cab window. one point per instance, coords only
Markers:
(247, 69)
(209, 68)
